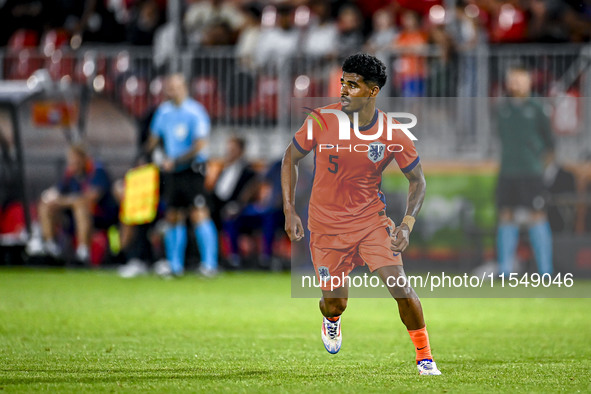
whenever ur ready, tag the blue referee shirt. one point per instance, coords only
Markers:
(179, 128)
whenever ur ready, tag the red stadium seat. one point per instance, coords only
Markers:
(305, 86)
(156, 91)
(121, 64)
(22, 58)
(246, 111)
(23, 64)
(94, 65)
(134, 95)
(267, 94)
(22, 39)
(60, 65)
(59, 62)
(54, 40)
(205, 90)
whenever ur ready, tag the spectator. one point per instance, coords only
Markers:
(92, 20)
(467, 34)
(350, 24)
(249, 36)
(410, 67)
(383, 34)
(201, 14)
(85, 193)
(553, 21)
(264, 213)
(278, 43)
(217, 33)
(233, 188)
(145, 19)
(526, 145)
(443, 68)
(233, 179)
(322, 35)
(182, 125)
(12, 221)
(560, 184)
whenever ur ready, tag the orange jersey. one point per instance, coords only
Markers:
(346, 193)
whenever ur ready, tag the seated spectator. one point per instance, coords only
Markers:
(560, 184)
(263, 212)
(12, 220)
(233, 188)
(235, 175)
(85, 193)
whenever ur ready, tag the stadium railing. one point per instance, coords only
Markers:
(241, 96)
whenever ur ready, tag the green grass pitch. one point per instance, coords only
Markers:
(82, 331)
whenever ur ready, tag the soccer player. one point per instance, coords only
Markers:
(347, 221)
(182, 124)
(527, 146)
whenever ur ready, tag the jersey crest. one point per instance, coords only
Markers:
(323, 273)
(376, 151)
(180, 132)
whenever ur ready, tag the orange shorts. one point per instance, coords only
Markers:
(339, 254)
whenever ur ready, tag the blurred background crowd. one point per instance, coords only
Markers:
(104, 63)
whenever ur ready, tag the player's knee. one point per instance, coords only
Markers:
(80, 204)
(199, 215)
(172, 217)
(505, 215)
(537, 217)
(402, 292)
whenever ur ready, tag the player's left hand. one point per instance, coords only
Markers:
(400, 238)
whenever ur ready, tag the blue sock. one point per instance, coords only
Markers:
(507, 240)
(207, 241)
(177, 262)
(170, 242)
(540, 236)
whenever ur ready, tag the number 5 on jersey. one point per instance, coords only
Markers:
(333, 160)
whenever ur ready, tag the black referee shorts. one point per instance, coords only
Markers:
(185, 188)
(521, 191)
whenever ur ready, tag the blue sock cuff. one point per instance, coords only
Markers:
(540, 235)
(207, 240)
(507, 240)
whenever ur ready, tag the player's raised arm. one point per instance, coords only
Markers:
(289, 179)
(416, 195)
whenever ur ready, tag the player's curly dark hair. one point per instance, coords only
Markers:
(369, 67)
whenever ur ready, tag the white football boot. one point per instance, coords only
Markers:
(428, 367)
(331, 335)
(134, 268)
